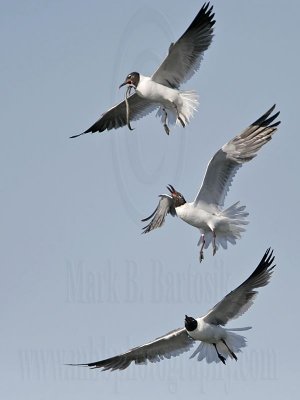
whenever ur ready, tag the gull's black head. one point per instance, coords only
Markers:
(190, 323)
(132, 79)
(179, 200)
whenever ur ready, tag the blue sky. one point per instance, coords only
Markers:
(78, 280)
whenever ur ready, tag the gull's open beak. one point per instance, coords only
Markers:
(124, 83)
(171, 189)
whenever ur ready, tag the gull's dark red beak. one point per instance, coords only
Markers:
(171, 189)
(125, 83)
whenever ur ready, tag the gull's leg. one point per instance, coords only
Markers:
(214, 243)
(202, 242)
(178, 116)
(165, 121)
(230, 351)
(223, 359)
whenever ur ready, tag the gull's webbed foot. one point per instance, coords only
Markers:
(202, 242)
(223, 359)
(167, 130)
(214, 243)
(178, 116)
(201, 256)
(230, 351)
(181, 121)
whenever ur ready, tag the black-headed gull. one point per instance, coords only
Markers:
(162, 88)
(217, 343)
(217, 226)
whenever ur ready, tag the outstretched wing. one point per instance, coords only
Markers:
(170, 345)
(240, 300)
(115, 117)
(186, 54)
(225, 163)
(165, 206)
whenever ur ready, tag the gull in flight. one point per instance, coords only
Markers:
(161, 90)
(217, 226)
(217, 342)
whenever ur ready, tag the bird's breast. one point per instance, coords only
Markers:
(194, 216)
(156, 92)
(207, 332)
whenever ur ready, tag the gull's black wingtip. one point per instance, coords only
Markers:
(75, 136)
(267, 261)
(266, 119)
(77, 365)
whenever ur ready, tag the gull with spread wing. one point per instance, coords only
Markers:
(217, 226)
(217, 343)
(161, 90)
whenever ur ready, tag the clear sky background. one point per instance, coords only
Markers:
(78, 280)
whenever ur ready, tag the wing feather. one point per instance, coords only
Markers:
(170, 345)
(240, 300)
(185, 55)
(225, 163)
(165, 206)
(115, 117)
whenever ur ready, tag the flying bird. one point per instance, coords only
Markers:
(217, 226)
(161, 90)
(217, 342)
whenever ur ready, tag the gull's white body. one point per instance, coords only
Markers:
(156, 92)
(227, 225)
(172, 100)
(207, 332)
(200, 218)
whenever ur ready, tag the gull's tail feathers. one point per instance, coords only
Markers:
(208, 352)
(189, 105)
(186, 107)
(230, 229)
(245, 328)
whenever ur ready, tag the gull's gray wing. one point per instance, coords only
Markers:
(165, 206)
(241, 299)
(170, 345)
(115, 117)
(223, 166)
(186, 54)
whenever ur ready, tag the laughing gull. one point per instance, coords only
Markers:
(217, 226)
(162, 88)
(217, 343)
